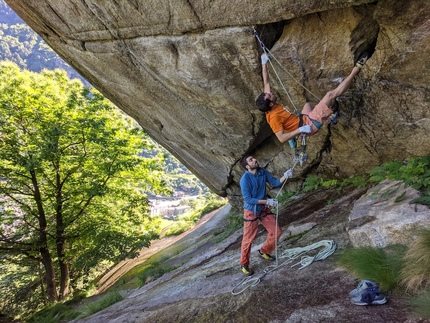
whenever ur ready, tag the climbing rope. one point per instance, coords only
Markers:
(330, 247)
(299, 157)
(300, 154)
(270, 55)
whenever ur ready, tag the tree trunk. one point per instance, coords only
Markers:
(42, 287)
(51, 286)
(61, 238)
(64, 271)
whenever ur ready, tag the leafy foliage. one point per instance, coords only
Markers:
(414, 173)
(21, 45)
(72, 180)
(187, 220)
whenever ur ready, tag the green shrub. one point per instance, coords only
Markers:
(356, 181)
(285, 196)
(420, 305)
(415, 173)
(378, 265)
(93, 307)
(415, 273)
(187, 220)
(311, 183)
(54, 314)
(178, 227)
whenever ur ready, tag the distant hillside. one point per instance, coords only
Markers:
(21, 45)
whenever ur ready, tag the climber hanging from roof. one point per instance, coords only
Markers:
(286, 125)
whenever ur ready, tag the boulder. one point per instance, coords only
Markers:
(384, 216)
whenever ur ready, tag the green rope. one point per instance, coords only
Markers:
(297, 81)
(296, 111)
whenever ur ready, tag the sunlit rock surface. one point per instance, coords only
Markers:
(189, 72)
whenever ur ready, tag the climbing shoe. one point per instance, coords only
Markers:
(266, 256)
(370, 296)
(247, 271)
(333, 119)
(362, 286)
(362, 60)
(335, 106)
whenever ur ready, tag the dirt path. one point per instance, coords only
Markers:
(125, 266)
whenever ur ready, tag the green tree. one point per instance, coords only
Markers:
(71, 178)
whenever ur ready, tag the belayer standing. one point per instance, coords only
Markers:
(257, 208)
(287, 126)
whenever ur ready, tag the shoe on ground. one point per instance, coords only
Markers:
(247, 271)
(362, 286)
(266, 256)
(362, 60)
(370, 296)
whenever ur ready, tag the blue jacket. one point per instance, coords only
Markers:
(254, 188)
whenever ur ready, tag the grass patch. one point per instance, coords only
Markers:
(404, 270)
(420, 305)
(374, 264)
(152, 272)
(415, 274)
(54, 314)
(187, 220)
(93, 307)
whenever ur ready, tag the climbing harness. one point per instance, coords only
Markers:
(291, 254)
(299, 144)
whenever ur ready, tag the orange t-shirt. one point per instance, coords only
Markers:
(278, 118)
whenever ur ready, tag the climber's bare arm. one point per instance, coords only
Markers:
(265, 78)
(285, 136)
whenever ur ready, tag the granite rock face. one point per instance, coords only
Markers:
(189, 73)
(383, 216)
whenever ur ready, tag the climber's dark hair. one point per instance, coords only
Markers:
(262, 104)
(243, 161)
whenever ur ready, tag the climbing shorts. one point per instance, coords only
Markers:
(319, 114)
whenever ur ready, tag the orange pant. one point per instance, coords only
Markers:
(250, 231)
